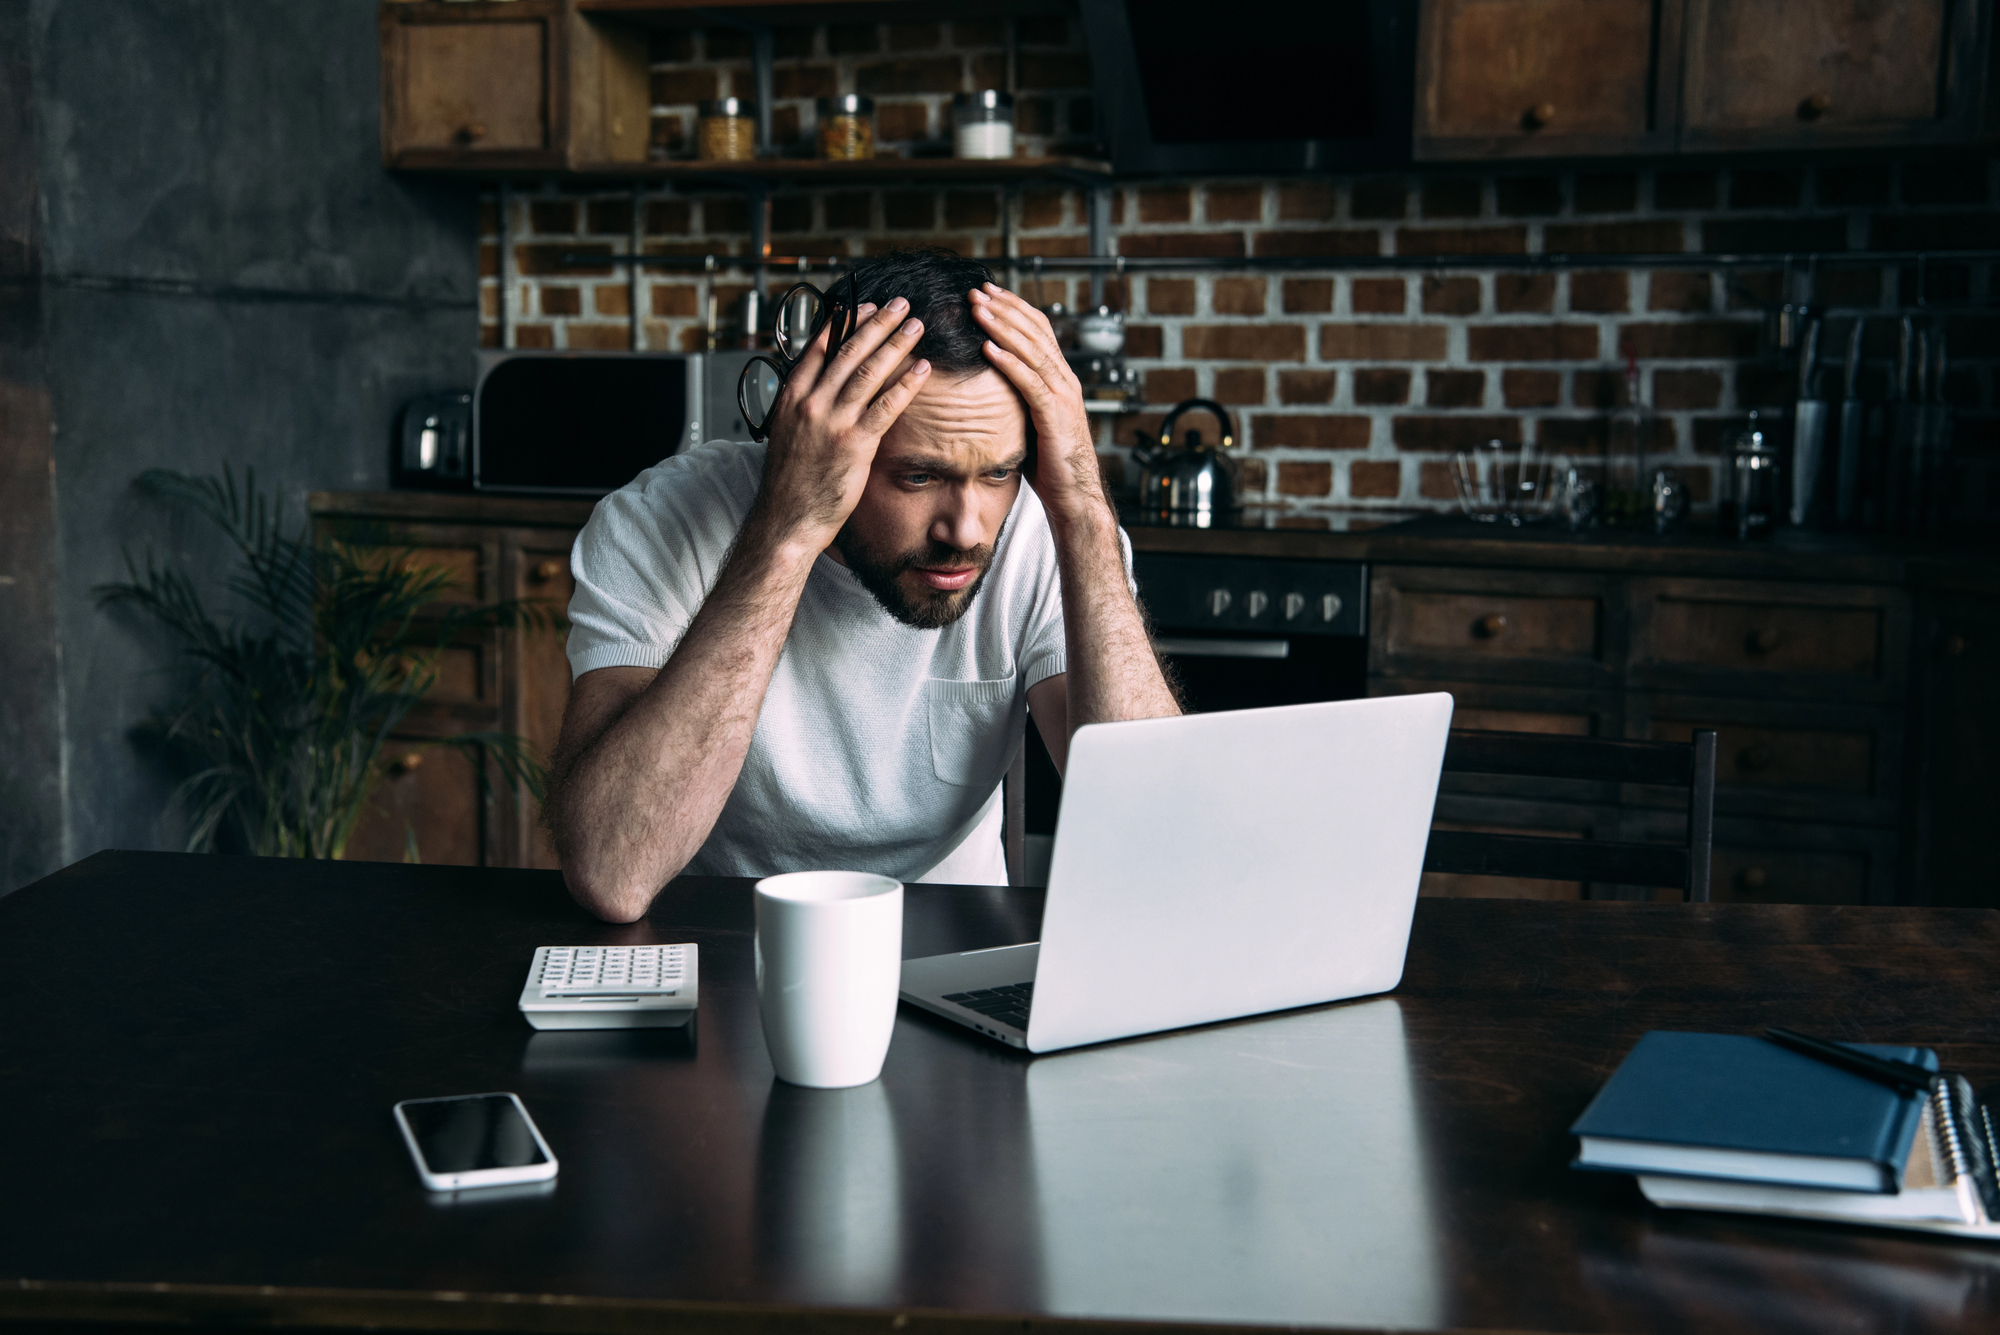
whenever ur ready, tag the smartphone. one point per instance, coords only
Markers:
(474, 1140)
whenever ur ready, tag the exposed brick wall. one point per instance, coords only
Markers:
(1350, 387)
(910, 69)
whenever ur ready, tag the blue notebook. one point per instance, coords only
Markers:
(1730, 1106)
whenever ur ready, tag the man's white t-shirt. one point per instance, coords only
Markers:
(879, 747)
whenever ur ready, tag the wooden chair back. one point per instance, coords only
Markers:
(1689, 764)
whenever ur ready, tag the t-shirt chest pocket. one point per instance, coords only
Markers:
(968, 727)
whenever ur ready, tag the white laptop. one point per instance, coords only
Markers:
(1214, 866)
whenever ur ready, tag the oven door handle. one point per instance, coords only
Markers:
(1191, 648)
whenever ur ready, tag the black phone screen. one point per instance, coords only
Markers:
(467, 1134)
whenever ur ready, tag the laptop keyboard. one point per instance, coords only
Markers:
(1008, 1004)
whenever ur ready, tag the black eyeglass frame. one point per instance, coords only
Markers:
(834, 310)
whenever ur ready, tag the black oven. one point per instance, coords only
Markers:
(1237, 633)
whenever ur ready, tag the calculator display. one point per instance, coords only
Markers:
(468, 1134)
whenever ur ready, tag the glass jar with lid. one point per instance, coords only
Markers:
(846, 127)
(983, 124)
(1753, 476)
(726, 130)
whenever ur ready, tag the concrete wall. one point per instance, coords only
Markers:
(227, 275)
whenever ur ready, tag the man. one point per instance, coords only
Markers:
(818, 653)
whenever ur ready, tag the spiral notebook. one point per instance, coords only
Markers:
(1946, 1185)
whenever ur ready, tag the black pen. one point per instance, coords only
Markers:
(1883, 1070)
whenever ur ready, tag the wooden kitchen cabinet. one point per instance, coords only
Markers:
(432, 794)
(1803, 681)
(1850, 683)
(430, 797)
(1571, 78)
(509, 85)
(1515, 625)
(498, 681)
(538, 667)
(1826, 73)
(1540, 78)
(1809, 641)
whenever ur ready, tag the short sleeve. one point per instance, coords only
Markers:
(650, 554)
(1045, 648)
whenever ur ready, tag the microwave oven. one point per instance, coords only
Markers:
(567, 423)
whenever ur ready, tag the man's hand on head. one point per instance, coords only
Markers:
(1023, 347)
(829, 420)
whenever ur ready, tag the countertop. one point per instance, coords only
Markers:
(1382, 537)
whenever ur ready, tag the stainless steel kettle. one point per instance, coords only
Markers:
(1193, 480)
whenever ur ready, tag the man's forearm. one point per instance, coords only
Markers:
(635, 804)
(1112, 673)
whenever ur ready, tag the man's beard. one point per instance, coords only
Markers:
(926, 609)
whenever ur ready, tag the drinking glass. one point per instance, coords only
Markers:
(1502, 483)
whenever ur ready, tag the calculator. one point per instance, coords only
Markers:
(611, 987)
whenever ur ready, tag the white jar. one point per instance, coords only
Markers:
(984, 124)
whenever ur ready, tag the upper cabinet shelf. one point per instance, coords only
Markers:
(870, 171)
(706, 13)
(559, 87)
(1584, 78)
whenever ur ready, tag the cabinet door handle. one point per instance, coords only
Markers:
(1753, 878)
(1490, 626)
(1755, 757)
(1816, 104)
(1539, 115)
(1764, 641)
(406, 762)
(547, 570)
(471, 132)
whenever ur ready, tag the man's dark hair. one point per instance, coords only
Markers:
(934, 281)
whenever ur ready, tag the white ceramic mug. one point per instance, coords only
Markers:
(829, 961)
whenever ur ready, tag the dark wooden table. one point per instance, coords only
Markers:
(198, 1054)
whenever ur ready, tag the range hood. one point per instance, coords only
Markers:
(1186, 88)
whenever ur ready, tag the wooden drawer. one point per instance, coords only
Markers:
(1788, 876)
(1492, 626)
(1787, 862)
(1793, 760)
(1506, 707)
(1801, 641)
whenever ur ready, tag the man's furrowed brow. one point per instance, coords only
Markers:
(950, 466)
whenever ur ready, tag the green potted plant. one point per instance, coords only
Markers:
(282, 728)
